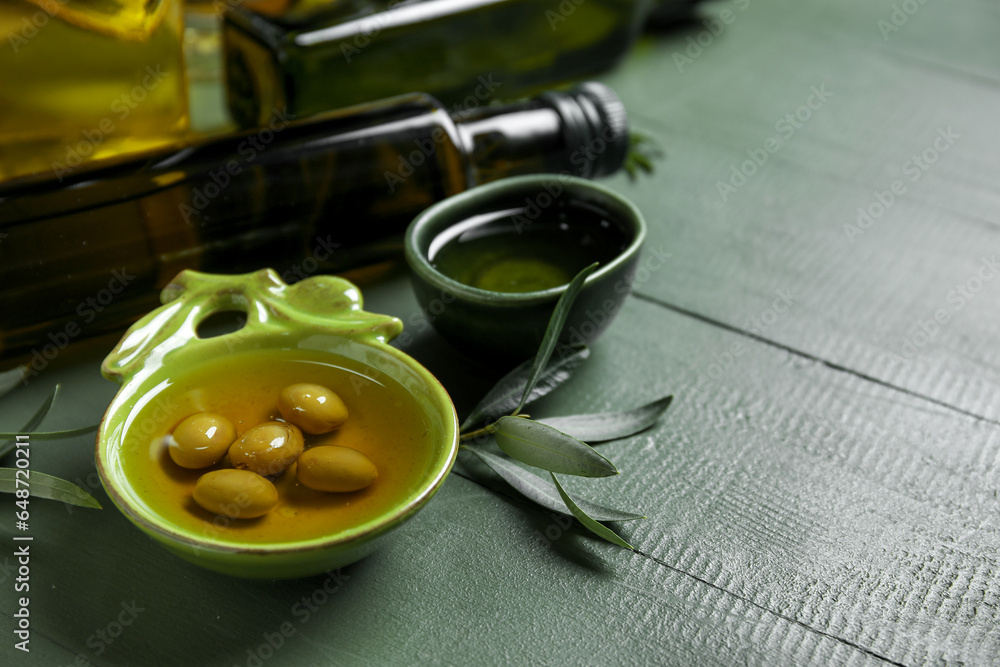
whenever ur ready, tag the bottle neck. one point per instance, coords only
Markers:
(583, 132)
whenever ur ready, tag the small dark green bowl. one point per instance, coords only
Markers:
(512, 324)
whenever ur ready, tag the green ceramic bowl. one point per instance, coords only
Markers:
(318, 314)
(512, 324)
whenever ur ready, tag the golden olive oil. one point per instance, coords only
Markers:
(385, 423)
(82, 81)
(527, 249)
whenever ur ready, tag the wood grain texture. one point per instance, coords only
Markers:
(845, 506)
(858, 301)
(811, 498)
(797, 515)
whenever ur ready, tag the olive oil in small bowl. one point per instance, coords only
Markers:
(508, 251)
(490, 264)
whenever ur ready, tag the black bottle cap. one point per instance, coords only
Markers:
(595, 126)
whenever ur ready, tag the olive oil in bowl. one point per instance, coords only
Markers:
(489, 265)
(386, 423)
(527, 249)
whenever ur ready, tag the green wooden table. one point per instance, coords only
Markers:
(825, 488)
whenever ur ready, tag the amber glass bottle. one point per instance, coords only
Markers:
(83, 80)
(90, 253)
(307, 59)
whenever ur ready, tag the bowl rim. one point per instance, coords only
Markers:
(163, 529)
(476, 197)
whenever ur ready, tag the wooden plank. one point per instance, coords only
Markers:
(801, 512)
(798, 515)
(862, 301)
(855, 509)
(960, 41)
(449, 590)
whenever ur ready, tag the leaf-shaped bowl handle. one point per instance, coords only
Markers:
(321, 304)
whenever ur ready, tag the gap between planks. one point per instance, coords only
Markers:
(805, 355)
(788, 619)
(812, 357)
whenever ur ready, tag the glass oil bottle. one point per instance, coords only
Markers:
(307, 57)
(89, 253)
(83, 80)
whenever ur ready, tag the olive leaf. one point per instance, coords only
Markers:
(544, 447)
(503, 398)
(588, 522)
(604, 426)
(552, 332)
(47, 486)
(31, 424)
(543, 492)
(642, 148)
(12, 378)
(42, 485)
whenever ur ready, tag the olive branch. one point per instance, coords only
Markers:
(546, 444)
(41, 485)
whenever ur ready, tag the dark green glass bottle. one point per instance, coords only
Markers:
(307, 60)
(90, 252)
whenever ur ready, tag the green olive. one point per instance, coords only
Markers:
(267, 449)
(334, 468)
(200, 440)
(312, 407)
(238, 494)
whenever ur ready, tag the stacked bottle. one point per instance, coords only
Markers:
(88, 253)
(305, 57)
